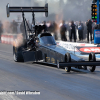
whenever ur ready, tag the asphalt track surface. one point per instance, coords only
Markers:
(53, 83)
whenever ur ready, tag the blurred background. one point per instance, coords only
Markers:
(62, 9)
(67, 10)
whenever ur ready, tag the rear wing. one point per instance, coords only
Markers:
(27, 9)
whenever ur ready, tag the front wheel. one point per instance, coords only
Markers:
(67, 59)
(92, 58)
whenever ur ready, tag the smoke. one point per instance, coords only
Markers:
(6, 26)
(19, 41)
(13, 16)
(68, 10)
(64, 9)
(77, 10)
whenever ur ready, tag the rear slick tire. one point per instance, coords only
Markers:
(17, 55)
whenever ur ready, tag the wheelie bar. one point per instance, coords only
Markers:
(86, 63)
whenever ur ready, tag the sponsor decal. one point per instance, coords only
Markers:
(89, 49)
(57, 43)
(52, 60)
(97, 33)
(82, 44)
(48, 59)
(67, 46)
(71, 46)
(78, 47)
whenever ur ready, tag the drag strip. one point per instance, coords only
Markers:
(53, 83)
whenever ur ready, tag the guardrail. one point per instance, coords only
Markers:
(7, 38)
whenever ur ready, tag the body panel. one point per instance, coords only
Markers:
(50, 53)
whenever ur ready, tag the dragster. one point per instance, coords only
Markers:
(40, 46)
